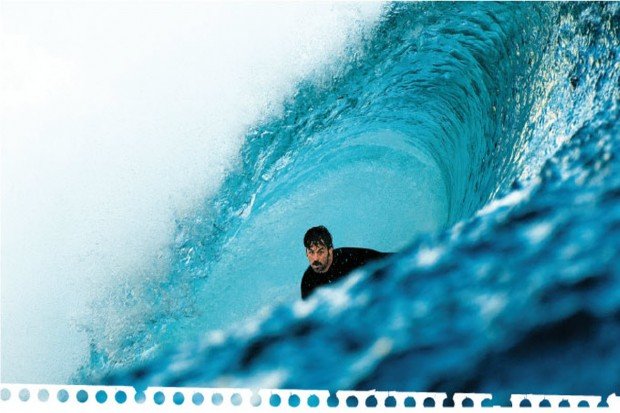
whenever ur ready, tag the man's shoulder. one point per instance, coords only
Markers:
(360, 255)
(359, 251)
(355, 249)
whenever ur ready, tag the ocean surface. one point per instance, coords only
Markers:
(480, 142)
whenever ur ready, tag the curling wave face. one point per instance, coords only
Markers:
(481, 141)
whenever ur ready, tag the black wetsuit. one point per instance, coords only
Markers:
(345, 260)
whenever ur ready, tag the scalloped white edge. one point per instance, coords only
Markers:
(245, 400)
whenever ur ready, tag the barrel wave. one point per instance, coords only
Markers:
(480, 142)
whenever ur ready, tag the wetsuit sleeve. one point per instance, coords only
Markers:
(367, 255)
(372, 255)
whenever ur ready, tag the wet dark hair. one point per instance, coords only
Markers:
(318, 236)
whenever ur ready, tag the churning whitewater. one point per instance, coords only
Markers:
(479, 141)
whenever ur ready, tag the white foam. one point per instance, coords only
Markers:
(539, 232)
(117, 117)
(429, 256)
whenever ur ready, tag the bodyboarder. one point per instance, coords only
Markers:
(327, 264)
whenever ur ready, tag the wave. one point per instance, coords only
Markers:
(480, 141)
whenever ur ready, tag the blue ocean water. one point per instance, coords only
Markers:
(479, 141)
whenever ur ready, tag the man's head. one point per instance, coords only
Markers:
(319, 248)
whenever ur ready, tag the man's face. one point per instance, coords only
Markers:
(320, 257)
